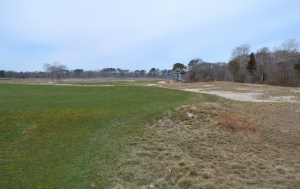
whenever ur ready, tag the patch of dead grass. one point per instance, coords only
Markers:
(243, 127)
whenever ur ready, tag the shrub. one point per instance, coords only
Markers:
(245, 127)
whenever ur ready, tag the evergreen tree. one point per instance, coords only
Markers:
(251, 64)
(297, 67)
(2, 73)
(178, 68)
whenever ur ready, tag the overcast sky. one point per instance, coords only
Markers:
(136, 34)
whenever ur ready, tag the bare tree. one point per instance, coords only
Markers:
(234, 67)
(290, 48)
(57, 70)
(263, 59)
(194, 68)
(241, 54)
(46, 67)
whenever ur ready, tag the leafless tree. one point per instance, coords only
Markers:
(263, 59)
(46, 67)
(56, 70)
(234, 67)
(241, 54)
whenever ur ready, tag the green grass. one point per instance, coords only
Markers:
(76, 137)
(104, 83)
(2, 78)
(121, 82)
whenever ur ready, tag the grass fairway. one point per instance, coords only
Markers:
(74, 137)
(138, 81)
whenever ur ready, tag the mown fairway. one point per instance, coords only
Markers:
(125, 82)
(69, 136)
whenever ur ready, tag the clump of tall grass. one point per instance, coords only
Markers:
(244, 127)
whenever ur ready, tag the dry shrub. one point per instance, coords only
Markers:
(207, 79)
(243, 127)
(210, 106)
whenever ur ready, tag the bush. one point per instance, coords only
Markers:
(244, 126)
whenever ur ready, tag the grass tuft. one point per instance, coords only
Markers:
(244, 127)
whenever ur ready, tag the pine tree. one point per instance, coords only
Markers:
(297, 67)
(179, 68)
(251, 64)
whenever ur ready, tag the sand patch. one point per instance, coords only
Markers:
(253, 97)
(247, 96)
(255, 85)
(64, 84)
(84, 85)
(283, 98)
(242, 91)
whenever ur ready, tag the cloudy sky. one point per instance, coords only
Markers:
(135, 34)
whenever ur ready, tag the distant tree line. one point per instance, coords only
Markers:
(56, 72)
(279, 66)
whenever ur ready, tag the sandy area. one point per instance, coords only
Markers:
(242, 91)
(84, 85)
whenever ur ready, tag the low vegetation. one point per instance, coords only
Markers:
(243, 127)
(194, 147)
(144, 137)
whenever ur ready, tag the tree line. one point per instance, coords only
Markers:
(279, 66)
(56, 72)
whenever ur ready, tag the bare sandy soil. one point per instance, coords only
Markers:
(241, 91)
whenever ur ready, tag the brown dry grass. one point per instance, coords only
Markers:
(243, 127)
